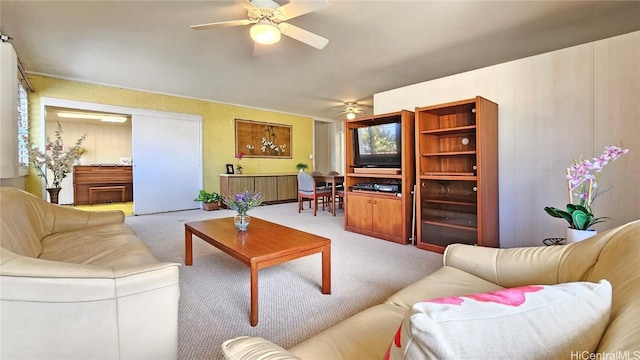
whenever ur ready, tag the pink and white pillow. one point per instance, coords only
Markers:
(528, 322)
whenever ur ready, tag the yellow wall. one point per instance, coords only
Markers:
(217, 125)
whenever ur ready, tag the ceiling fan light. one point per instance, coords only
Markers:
(265, 33)
(351, 116)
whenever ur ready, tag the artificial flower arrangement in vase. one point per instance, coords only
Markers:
(582, 179)
(242, 203)
(54, 158)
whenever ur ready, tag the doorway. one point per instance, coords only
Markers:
(107, 142)
(152, 177)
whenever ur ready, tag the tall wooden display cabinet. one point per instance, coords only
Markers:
(457, 174)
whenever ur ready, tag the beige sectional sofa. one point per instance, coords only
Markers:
(80, 285)
(613, 255)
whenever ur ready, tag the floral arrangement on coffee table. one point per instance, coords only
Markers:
(243, 202)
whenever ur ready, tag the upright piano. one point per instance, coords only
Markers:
(86, 176)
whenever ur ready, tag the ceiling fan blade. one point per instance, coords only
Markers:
(304, 36)
(297, 8)
(260, 50)
(221, 24)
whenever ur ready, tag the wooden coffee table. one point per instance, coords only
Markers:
(263, 245)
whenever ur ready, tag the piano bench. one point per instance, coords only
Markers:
(103, 189)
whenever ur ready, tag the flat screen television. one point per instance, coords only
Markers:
(378, 146)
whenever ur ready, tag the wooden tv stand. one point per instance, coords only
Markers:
(383, 215)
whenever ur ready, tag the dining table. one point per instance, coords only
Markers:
(334, 180)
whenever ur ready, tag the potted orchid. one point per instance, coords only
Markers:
(583, 177)
(242, 203)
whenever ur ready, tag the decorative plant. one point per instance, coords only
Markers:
(583, 177)
(301, 166)
(243, 201)
(208, 197)
(54, 158)
(239, 156)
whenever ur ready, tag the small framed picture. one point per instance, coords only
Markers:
(229, 168)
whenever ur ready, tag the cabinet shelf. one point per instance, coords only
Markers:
(378, 194)
(451, 223)
(448, 176)
(453, 200)
(379, 176)
(450, 131)
(450, 153)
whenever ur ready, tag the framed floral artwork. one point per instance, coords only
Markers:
(263, 140)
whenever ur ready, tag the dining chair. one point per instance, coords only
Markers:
(340, 198)
(307, 189)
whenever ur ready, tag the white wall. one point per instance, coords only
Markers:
(8, 112)
(321, 147)
(105, 143)
(552, 108)
(329, 146)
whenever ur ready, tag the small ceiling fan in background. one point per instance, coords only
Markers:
(268, 19)
(352, 109)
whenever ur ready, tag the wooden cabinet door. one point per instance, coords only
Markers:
(287, 187)
(267, 186)
(387, 217)
(240, 184)
(359, 211)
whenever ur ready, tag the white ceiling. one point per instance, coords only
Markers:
(373, 45)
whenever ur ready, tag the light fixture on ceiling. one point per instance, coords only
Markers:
(352, 109)
(101, 117)
(265, 32)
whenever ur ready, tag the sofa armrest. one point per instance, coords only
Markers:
(528, 265)
(250, 348)
(507, 267)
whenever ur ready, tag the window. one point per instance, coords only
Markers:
(23, 126)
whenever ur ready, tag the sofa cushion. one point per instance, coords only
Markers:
(114, 245)
(363, 336)
(534, 322)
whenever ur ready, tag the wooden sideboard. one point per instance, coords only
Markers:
(96, 176)
(275, 188)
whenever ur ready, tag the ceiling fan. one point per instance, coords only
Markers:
(351, 108)
(268, 22)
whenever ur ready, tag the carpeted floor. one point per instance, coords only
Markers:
(127, 207)
(214, 300)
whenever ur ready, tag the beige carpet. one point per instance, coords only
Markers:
(214, 301)
(127, 207)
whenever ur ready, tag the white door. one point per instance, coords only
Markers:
(167, 163)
